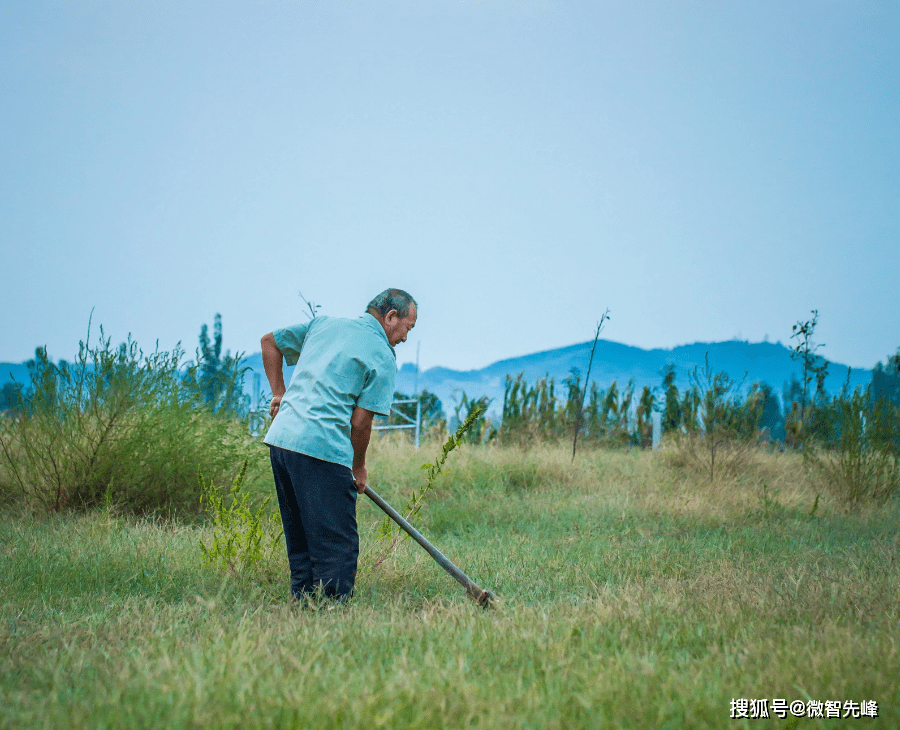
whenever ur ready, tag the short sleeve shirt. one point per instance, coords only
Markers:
(340, 364)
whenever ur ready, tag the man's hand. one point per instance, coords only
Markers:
(360, 476)
(274, 405)
(272, 363)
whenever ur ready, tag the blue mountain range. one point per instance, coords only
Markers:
(751, 361)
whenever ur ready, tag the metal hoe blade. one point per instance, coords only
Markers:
(483, 598)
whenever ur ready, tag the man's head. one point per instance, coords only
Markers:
(396, 311)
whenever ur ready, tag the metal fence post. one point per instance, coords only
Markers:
(418, 420)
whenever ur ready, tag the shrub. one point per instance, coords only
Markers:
(860, 458)
(724, 433)
(116, 426)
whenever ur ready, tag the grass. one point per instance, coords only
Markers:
(635, 595)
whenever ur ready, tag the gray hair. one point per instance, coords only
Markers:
(392, 299)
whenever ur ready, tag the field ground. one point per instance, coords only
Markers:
(634, 595)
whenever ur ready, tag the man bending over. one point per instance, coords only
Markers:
(344, 375)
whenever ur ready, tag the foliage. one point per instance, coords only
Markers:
(533, 413)
(671, 415)
(241, 536)
(10, 397)
(860, 459)
(116, 424)
(432, 414)
(217, 378)
(312, 308)
(615, 415)
(886, 380)
(815, 367)
(771, 421)
(529, 413)
(725, 433)
(644, 424)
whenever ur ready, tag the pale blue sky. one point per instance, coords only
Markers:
(706, 170)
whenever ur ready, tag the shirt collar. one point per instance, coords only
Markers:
(370, 320)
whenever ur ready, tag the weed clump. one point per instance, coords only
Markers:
(242, 537)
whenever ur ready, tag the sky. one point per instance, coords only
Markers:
(704, 170)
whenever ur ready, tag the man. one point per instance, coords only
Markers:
(344, 375)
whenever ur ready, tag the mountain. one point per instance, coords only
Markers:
(761, 361)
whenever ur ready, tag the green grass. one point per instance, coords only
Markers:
(634, 595)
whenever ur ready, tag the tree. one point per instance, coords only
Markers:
(815, 367)
(771, 421)
(10, 397)
(432, 410)
(218, 379)
(671, 416)
(886, 380)
(574, 400)
(646, 406)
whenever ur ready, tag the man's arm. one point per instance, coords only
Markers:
(272, 364)
(360, 432)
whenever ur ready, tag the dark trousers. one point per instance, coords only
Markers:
(318, 510)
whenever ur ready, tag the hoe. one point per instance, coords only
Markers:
(483, 598)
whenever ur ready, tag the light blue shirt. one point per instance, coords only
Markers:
(341, 364)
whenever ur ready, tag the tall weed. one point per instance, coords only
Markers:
(242, 537)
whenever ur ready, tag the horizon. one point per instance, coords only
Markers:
(585, 343)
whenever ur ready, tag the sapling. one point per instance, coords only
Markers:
(387, 532)
(587, 380)
(814, 366)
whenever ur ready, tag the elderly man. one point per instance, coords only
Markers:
(344, 375)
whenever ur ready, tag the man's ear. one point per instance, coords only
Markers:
(393, 312)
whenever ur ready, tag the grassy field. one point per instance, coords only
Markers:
(634, 595)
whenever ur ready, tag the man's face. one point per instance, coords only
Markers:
(396, 327)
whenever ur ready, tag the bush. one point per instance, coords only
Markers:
(115, 427)
(721, 432)
(859, 458)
